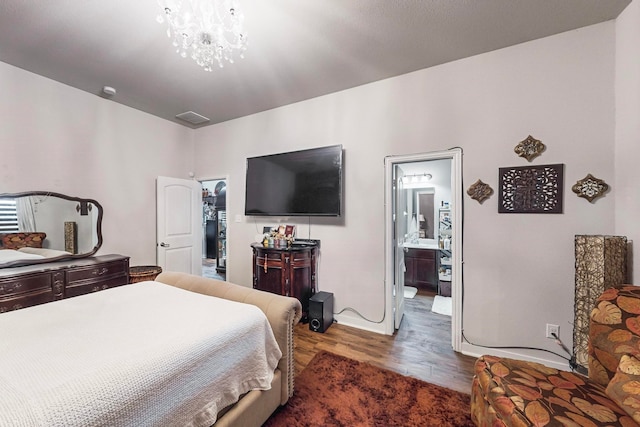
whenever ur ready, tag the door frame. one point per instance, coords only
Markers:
(224, 178)
(455, 155)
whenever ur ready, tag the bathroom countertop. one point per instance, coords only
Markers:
(420, 245)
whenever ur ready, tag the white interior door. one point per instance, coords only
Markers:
(179, 225)
(400, 226)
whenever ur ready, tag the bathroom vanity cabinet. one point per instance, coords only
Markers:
(421, 268)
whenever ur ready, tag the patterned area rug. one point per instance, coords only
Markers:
(336, 391)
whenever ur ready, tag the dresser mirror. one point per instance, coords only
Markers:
(40, 226)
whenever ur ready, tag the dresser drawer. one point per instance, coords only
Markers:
(24, 284)
(86, 287)
(96, 272)
(25, 300)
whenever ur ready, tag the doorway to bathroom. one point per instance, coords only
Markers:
(214, 228)
(423, 253)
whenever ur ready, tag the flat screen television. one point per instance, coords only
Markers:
(297, 183)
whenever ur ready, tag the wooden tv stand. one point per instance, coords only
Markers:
(287, 271)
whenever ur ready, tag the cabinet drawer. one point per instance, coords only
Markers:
(270, 261)
(86, 287)
(301, 259)
(25, 300)
(270, 255)
(96, 272)
(421, 253)
(24, 284)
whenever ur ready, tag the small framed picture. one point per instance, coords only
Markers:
(290, 230)
(281, 230)
(266, 230)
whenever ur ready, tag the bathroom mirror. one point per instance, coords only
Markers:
(40, 226)
(425, 213)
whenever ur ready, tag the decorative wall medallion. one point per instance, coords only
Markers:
(531, 189)
(590, 187)
(530, 148)
(480, 191)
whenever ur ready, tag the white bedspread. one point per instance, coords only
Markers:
(8, 255)
(146, 354)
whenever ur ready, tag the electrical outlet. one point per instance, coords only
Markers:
(553, 329)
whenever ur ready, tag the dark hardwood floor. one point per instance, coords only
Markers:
(421, 348)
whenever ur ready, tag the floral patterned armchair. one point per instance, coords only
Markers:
(508, 392)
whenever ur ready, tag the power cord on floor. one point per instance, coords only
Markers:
(358, 313)
(571, 360)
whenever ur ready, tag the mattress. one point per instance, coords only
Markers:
(146, 354)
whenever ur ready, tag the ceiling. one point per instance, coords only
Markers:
(298, 49)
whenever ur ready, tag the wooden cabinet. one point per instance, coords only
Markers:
(421, 268)
(26, 286)
(286, 271)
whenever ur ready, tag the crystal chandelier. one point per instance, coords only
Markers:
(207, 30)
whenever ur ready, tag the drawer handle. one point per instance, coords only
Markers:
(100, 272)
(10, 288)
(265, 264)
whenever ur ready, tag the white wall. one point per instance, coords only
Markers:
(57, 138)
(518, 268)
(627, 177)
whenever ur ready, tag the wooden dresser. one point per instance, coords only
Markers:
(286, 271)
(30, 285)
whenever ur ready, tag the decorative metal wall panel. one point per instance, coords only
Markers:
(601, 263)
(531, 189)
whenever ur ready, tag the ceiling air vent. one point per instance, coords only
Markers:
(193, 118)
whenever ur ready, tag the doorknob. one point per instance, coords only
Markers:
(164, 245)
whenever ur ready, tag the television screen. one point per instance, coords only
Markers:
(304, 183)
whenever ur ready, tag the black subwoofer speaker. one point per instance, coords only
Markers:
(320, 311)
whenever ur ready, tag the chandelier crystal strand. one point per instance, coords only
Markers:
(207, 30)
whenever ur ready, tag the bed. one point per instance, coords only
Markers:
(150, 353)
(27, 253)
(26, 247)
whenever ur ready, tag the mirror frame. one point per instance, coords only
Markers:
(95, 249)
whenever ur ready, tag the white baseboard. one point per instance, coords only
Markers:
(356, 322)
(475, 351)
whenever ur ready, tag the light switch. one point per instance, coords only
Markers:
(238, 218)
